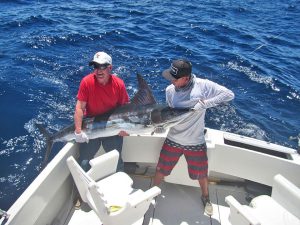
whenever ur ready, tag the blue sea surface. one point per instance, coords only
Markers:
(252, 47)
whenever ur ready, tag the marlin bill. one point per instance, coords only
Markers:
(142, 115)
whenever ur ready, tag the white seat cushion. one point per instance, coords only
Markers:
(269, 212)
(116, 188)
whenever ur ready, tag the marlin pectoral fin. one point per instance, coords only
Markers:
(159, 130)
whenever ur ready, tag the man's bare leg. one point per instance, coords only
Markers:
(208, 208)
(158, 178)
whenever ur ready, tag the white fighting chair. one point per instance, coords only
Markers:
(281, 208)
(110, 193)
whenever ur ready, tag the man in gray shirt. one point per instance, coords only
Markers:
(187, 137)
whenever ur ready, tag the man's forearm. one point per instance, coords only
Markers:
(78, 116)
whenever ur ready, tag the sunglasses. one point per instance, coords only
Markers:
(100, 66)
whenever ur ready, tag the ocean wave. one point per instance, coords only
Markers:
(22, 23)
(253, 75)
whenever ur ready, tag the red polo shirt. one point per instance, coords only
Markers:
(102, 98)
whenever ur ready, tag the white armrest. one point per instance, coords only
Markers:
(140, 196)
(240, 214)
(286, 194)
(104, 165)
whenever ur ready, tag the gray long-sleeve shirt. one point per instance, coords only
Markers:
(190, 131)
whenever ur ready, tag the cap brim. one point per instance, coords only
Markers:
(91, 63)
(167, 75)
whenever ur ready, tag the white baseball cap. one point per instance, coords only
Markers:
(101, 58)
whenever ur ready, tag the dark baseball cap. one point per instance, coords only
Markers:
(179, 68)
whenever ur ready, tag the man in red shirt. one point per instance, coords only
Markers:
(99, 92)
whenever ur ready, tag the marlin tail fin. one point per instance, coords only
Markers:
(49, 143)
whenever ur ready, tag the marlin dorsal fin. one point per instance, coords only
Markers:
(144, 95)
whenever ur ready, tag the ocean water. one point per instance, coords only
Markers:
(252, 47)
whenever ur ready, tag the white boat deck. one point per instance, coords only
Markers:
(51, 195)
(177, 205)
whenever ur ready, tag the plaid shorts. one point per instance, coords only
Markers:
(195, 156)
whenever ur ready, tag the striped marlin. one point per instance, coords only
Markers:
(142, 115)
